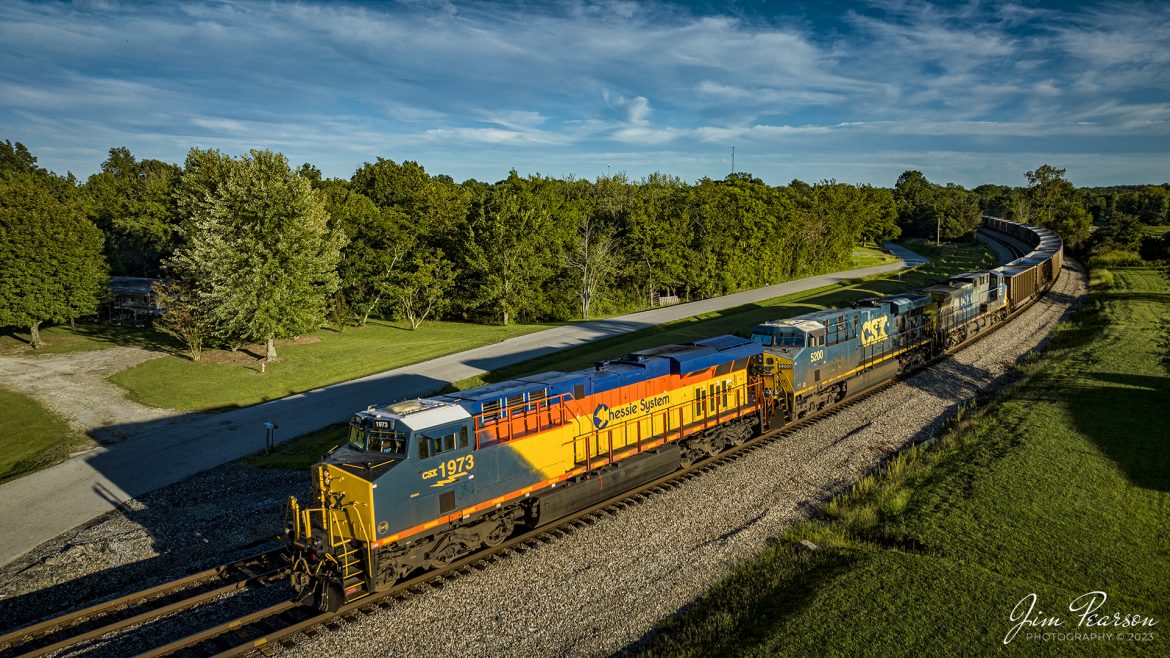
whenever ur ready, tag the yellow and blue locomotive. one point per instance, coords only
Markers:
(422, 483)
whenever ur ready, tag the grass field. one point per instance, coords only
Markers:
(31, 437)
(223, 380)
(945, 261)
(870, 256)
(1058, 488)
(82, 337)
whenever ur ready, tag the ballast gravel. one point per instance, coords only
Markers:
(591, 592)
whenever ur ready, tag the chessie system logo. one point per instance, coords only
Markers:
(603, 415)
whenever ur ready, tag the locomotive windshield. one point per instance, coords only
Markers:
(793, 338)
(382, 440)
(790, 340)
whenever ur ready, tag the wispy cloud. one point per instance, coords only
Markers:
(473, 89)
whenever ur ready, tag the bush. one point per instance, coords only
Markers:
(1115, 258)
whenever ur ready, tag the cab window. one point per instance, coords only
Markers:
(439, 440)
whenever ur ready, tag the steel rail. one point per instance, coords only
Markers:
(15, 640)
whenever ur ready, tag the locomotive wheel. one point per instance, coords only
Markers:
(448, 554)
(499, 533)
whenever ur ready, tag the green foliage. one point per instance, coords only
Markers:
(134, 204)
(1053, 203)
(1115, 258)
(17, 158)
(512, 248)
(258, 249)
(942, 212)
(380, 241)
(183, 317)
(51, 263)
(421, 290)
(1149, 204)
(1121, 231)
(994, 200)
(654, 254)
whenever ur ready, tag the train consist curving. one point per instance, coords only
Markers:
(423, 483)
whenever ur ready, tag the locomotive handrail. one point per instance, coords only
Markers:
(487, 423)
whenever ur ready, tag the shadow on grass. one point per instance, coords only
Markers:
(1126, 416)
(11, 333)
(742, 611)
(120, 335)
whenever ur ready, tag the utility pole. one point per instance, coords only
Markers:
(733, 159)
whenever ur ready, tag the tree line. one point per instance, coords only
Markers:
(250, 249)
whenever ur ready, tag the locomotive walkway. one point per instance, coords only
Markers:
(44, 504)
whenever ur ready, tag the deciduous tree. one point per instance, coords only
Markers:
(511, 248)
(183, 316)
(259, 250)
(133, 202)
(421, 290)
(1054, 204)
(51, 263)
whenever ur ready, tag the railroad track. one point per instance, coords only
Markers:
(279, 625)
(80, 626)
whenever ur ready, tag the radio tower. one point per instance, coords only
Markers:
(733, 159)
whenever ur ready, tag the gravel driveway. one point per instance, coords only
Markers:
(74, 386)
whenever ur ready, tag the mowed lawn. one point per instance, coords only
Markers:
(1058, 488)
(946, 260)
(865, 256)
(222, 380)
(31, 437)
(81, 337)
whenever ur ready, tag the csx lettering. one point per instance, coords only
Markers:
(451, 469)
(874, 330)
(457, 466)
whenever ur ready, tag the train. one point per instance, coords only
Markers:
(422, 483)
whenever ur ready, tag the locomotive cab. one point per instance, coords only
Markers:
(332, 538)
(787, 344)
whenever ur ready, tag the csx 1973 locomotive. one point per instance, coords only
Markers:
(422, 483)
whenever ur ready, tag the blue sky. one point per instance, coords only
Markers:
(969, 93)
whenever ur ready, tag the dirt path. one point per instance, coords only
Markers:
(75, 387)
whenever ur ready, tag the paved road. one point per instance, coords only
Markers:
(47, 503)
